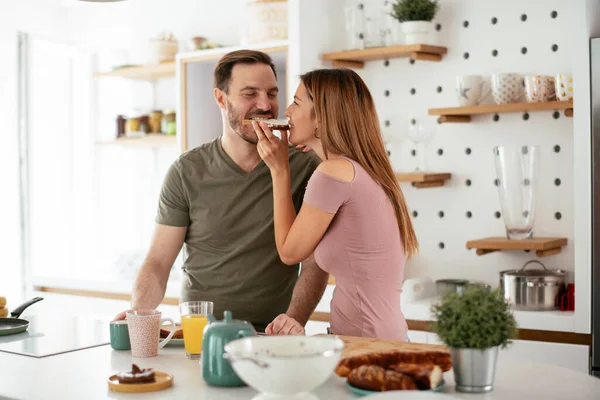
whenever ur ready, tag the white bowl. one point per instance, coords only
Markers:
(284, 365)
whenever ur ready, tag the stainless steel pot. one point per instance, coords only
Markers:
(533, 290)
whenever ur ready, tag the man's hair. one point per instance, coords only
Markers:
(222, 72)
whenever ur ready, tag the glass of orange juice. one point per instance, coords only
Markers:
(193, 320)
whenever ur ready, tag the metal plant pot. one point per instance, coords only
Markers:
(474, 369)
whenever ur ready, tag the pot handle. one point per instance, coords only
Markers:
(533, 261)
(16, 313)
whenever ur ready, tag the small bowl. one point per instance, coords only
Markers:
(284, 365)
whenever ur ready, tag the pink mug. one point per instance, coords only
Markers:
(144, 332)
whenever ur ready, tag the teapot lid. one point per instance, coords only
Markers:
(228, 322)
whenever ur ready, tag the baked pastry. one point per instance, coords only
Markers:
(275, 124)
(385, 359)
(136, 375)
(376, 378)
(165, 332)
(2, 301)
(426, 376)
(3, 312)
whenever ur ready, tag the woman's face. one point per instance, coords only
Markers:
(302, 123)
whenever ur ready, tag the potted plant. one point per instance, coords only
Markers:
(415, 17)
(474, 325)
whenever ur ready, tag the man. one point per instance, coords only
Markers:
(217, 200)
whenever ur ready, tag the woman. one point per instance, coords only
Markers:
(354, 216)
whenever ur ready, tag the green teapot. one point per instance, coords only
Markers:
(216, 370)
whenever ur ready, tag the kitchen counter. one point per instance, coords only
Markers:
(83, 374)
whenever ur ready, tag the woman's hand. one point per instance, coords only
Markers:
(273, 151)
(284, 325)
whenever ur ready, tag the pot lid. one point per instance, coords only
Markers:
(535, 273)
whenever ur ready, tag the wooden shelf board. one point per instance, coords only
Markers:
(142, 72)
(150, 140)
(458, 114)
(357, 58)
(422, 177)
(542, 246)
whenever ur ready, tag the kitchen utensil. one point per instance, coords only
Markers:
(14, 324)
(444, 286)
(285, 365)
(119, 335)
(507, 88)
(144, 332)
(517, 172)
(216, 370)
(539, 88)
(354, 346)
(564, 87)
(472, 90)
(533, 290)
(415, 289)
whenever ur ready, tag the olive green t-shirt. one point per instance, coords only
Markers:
(230, 257)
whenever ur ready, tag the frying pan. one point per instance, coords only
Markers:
(14, 324)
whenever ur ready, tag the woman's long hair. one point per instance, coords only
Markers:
(349, 125)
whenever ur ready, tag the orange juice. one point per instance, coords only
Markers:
(193, 331)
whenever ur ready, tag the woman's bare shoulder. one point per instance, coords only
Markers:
(337, 168)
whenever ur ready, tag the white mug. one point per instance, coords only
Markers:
(564, 87)
(507, 88)
(539, 88)
(472, 90)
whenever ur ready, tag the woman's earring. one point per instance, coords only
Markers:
(315, 134)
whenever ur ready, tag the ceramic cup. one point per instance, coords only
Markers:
(507, 88)
(144, 332)
(539, 88)
(564, 87)
(119, 335)
(472, 90)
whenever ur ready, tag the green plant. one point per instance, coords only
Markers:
(415, 10)
(476, 319)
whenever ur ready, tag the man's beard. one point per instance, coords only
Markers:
(246, 132)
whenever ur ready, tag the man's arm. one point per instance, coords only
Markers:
(307, 293)
(151, 281)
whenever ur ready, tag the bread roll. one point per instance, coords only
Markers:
(426, 376)
(2, 301)
(385, 359)
(3, 312)
(376, 378)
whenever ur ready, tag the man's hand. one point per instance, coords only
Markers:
(284, 325)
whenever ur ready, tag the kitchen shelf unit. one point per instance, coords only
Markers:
(543, 246)
(148, 72)
(422, 180)
(357, 58)
(152, 140)
(463, 114)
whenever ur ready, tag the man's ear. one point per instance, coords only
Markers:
(220, 98)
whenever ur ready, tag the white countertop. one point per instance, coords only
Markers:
(561, 321)
(83, 374)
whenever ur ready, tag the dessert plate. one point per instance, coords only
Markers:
(162, 381)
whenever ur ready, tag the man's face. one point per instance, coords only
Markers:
(252, 93)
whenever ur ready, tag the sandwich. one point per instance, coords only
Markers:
(274, 124)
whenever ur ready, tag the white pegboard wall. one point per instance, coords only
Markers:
(482, 37)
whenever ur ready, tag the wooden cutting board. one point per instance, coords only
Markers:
(360, 345)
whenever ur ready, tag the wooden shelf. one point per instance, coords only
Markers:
(423, 180)
(143, 72)
(357, 58)
(152, 140)
(463, 114)
(542, 246)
